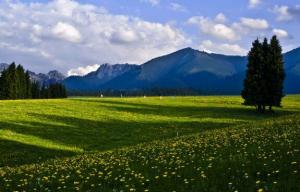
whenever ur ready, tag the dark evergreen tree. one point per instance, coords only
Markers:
(265, 73)
(28, 85)
(63, 91)
(277, 74)
(263, 85)
(52, 91)
(57, 90)
(4, 85)
(252, 91)
(12, 81)
(21, 82)
(16, 84)
(35, 90)
(44, 92)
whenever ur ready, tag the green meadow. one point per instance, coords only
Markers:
(208, 143)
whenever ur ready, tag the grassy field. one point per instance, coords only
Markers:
(141, 144)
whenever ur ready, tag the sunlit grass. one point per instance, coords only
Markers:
(35, 141)
(208, 143)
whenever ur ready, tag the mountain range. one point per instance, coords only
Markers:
(207, 73)
(187, 68)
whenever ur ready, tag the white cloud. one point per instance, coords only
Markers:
(67, 32)
(65, 7)
(282, 13)
(280, 33)
(23, 49)
(221, 18)
(218, 30)
(178, 7)
(221, 29)
(124, 36)
(254, 3)
(83, 70)
(286, 13)
(225, 48)
(75, 34)
(152, 2)
(255, 23)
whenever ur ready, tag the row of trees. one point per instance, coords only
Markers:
(15, 83)
(263, 86)
(138, 92)
(56, 90)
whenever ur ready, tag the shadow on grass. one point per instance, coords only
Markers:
(106, 134)
(15, 153)
(93, 135)
(241, 113)
(89, 135)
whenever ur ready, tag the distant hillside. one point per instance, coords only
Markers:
(96, 80)
(191, 69)
(49, 78)
(187, 68)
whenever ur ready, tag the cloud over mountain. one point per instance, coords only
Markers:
(229, 49)
(64, 34)
(214, 28)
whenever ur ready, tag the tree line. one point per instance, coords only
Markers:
(157, 91)
(15, 83)
(263, 85)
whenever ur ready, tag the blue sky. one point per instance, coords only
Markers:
(75, 37)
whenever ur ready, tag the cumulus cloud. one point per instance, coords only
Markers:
(178, 7)
(286, 13)
(225, 48)
(254, 3)
(213, 28)
(65, 34)
(83, 70)
(220, 18)
(124, 37)
(280, 33)
(254, 23)
(219, 27)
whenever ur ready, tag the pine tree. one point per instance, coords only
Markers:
(16, 84)
(252, 84)
(64, 92)
(4, 85)
(263, 85)
(265, 74)
(35, 90)
(28, 84)
(12, 81)
(277, 74)
(20, 82)
(44, 92)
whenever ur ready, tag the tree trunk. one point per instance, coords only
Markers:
(259, 108)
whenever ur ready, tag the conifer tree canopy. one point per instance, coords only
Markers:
(15, 83)
(263, 85)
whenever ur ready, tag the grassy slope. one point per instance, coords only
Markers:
(36, 130)
(33, 131)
